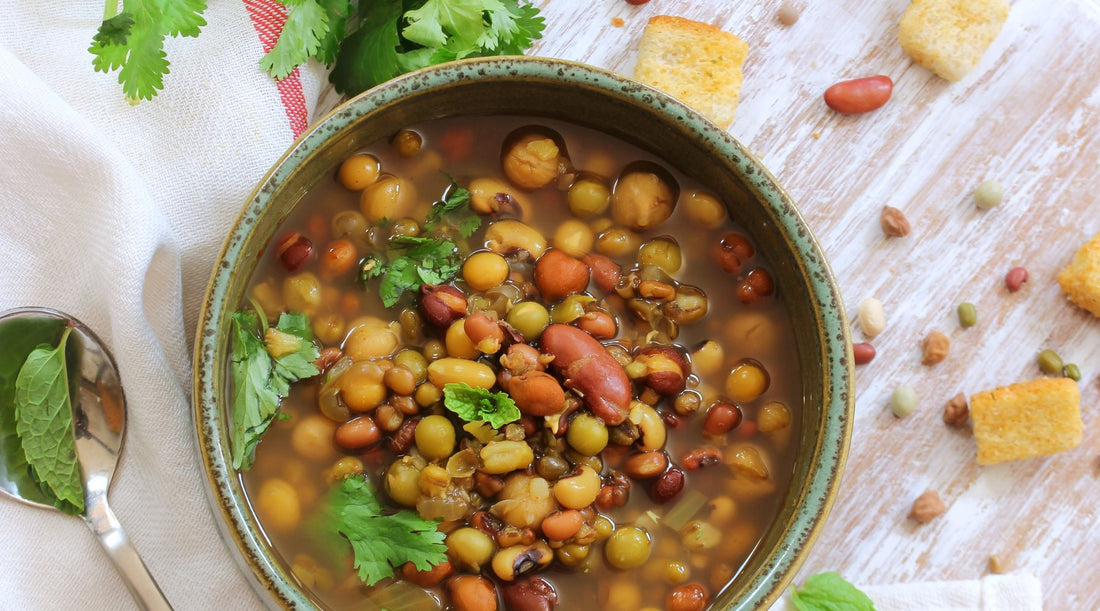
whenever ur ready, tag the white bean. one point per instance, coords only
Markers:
(871, 317)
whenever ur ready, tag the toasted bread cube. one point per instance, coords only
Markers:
(696, 62)
(1080, 280)
(1027, 419)
(949, 36)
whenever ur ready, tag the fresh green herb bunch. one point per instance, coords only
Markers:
(365, 43)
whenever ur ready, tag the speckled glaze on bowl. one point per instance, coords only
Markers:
(622, 108)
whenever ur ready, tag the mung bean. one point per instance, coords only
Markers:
(968, 315)
(1072, 372)
(1050, 363)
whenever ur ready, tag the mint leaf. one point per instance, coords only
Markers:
(262, 375)
(44, 422)
(829, 592)
(380, 543)
(480, 405)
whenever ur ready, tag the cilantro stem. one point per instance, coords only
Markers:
(110, 9)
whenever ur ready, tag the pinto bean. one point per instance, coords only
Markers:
(666, 369)
(589, 370)
(536, 393)
(558, 274)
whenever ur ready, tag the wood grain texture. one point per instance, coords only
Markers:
(1028, 116)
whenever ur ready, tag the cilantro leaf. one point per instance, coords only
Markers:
(44, 422)
(369, 55)
(262, 371)
(380, 543)
(829, 592)
(455, 210)
(132, 42)
(313, 28)
(422, 261)
(480, 405)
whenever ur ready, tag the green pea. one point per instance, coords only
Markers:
(435, 437)
(529, 318)
(903, 401)
(627, 547)
(1072, 372)
(968, 315)
(587, 435)
(988, 195)
(1050, 363)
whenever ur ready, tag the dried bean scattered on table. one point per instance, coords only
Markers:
(903, 401)
(863, 353)
(988, 195)
(956, 411)
(894, 223)
(788, 13)
(859, 95)
(872, 319)
(1072, 372)
(1050, 363)
(934, 348)
(926, 507)
(1015, 278)
(968, 315)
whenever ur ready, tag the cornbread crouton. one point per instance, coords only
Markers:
(1027, 419)
(949, 36)
(696, 62)
(1080, 280)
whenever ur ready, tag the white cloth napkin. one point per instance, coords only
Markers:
(1011, 592)
(115, 214)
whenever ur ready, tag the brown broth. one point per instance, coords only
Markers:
(761, 332)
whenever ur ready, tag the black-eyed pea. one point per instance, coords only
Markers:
(579, 490)
(652, 432)
(518, 560)
(511, 237)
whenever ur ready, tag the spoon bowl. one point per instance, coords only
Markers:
(99, 423)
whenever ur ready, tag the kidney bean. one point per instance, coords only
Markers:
(605, 272)
(561, 525)
(598, 324)
(530, 594)
(705, 456)
(558, 274)
(441, 305)
(472, 593)
(859, 95)
(589, 369)
(667, 485)
(863, 353)
(294, 250)
(666, 369)
(1015, 278)
(486, 333)
(688, 597)
(721, 417)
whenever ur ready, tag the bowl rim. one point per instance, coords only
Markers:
(238, 528)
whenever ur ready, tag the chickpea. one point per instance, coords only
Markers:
(617, 242)
(628, 547)
(705, 209)
(663, 252)
(358, 171)
(747, 381)
(469, 548)
(407, 143)
(773, 416)
(642, 199)
(532, 161)
(435, 437)
(414, 362)
(574, 238)
(311, 437)
(369, 342)
(389, 197)
(529, 318)
(427, 395)
(588, 197)
(302, 292)
(361, 386)
(349, 224)
(459, 343)
(484, 269)
(578, 491)
(587, 435)
(329, 328)
(278, 505)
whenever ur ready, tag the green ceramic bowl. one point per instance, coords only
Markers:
(622, 108)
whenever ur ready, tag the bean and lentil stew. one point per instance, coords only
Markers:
(547, 344)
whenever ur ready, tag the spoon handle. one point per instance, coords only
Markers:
(122, 553)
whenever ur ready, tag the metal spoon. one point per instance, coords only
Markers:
(99, 416)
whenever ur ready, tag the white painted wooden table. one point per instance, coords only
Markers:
(1028, 116)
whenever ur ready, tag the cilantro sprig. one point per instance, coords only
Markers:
(365, 42)
(380, 543)
(829, 592)
(480, 405)
(265, 361)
